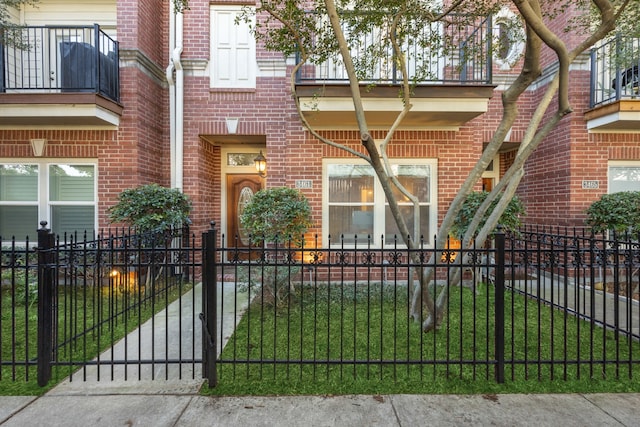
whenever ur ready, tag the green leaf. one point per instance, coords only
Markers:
(277, 215)
(151, 208)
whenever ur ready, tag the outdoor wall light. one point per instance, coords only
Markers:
(261, 164)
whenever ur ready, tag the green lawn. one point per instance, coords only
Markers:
(310, 342)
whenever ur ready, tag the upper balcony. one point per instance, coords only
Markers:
(449, 66)
(615, 101)
(60, 76)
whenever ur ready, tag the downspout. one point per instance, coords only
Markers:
(172, 95)
(176, 97)
(177, 51)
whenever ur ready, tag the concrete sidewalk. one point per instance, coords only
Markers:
(156, 410)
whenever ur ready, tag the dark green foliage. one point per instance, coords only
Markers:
(152, 208)
(510, 220)
(619, 212)
(277, 214)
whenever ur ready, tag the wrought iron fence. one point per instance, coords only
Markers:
(537, 304)
(54, 59)
(539, 308)
(68, 300)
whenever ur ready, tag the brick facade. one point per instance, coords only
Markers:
(138, 151)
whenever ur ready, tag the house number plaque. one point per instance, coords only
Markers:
(304, 183)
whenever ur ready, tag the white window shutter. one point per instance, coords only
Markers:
(233, 57)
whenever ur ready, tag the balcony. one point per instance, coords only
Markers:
(60, 76)
(449, 66)
(615, 83)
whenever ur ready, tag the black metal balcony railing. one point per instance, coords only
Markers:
(456, 53)
(615, 71)
(55, 59)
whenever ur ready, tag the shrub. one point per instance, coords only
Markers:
(510, 220)
(619, 212)
(277, 214)
(151, 208)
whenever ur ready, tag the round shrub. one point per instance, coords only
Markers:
(277, 215)
(619, 212)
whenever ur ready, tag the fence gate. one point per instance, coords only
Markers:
(119, 307)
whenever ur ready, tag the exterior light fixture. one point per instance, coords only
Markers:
(261, 164)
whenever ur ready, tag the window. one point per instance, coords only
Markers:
(624, 176)
(241, 159)
(63, 194)
(233, 52)
(508, 39)
(355, 206)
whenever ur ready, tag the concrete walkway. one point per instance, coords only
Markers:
(178, 409)
(171, 401)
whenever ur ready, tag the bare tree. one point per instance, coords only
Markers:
(286, 26)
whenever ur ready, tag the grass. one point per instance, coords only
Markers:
(90, 320)
(352, 339)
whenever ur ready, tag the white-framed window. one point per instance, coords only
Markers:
(59, 192)
(355, 207)
(508, 39)
(233, 49)
(624, 176)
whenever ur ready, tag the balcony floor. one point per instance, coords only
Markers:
(47, 110)
(434, 107)
(618, 116)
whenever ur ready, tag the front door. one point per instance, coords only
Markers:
(240, 190)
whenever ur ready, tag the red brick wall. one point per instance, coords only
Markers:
(142, 25)
(552, 186)
(140, 154)
(136, 153)
(456, 153)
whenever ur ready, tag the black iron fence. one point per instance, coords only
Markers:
(539, 304)
(55, 59)
(69, 306)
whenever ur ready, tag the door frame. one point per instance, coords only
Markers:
(225, 170)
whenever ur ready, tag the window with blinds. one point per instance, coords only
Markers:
(64, 195)
(355, 207)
